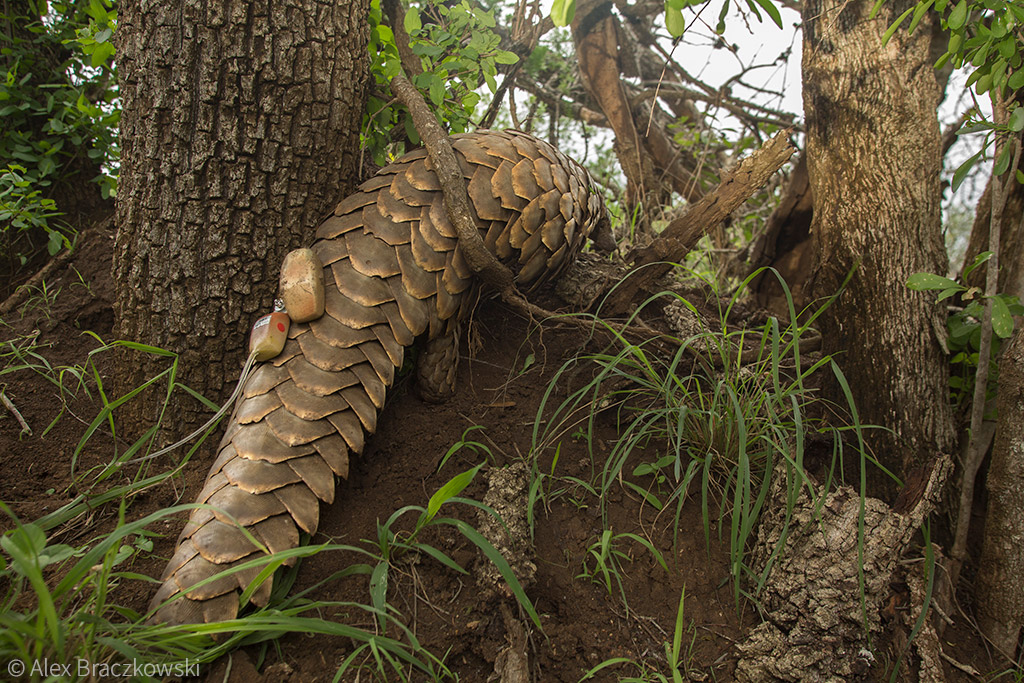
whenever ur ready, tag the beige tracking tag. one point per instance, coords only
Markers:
(268, 335)
(302, 285)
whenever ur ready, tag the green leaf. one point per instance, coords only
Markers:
(1003, 162)
(437, 90)
(958, 16)
(1002, 321)
(563, 11)
(103, 36)
(506, 57)
(956, 40)
(452, 488)
(965, 168)
(1016, 81)
(1016, 122)
(918, 14)
(924, 281)
(773, 11)
(895, 26)
(674, 21)
(412, 21)
(978, 260)
(1020, 176)
(54, 243)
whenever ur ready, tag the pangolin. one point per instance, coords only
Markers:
(393, 271)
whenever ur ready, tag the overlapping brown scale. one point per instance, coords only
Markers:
(221, 543)
(383, 364)
(524, 183)
(333, 332)
(400, 335)
(381, 180)
(503, 189)
(347, 424)
(480, 194)
(478, 154)
(331, 250)
(355, 202)
(415, 312)
(395, 208)
(246, 508)
(378, 223)
(442, 224)
(256, 408)
(309, 406)
(291, 347)
(447, 302)
(327, 357)
(534, 266)
(371, 383)
(263, 379)
(312, 379)
(499, 146)
(393, 348)
(371, 256)
(438, 232)
(278, 533)
(340, 224)
(257, 442)
(425, 256)
(334, 451)
(543, 175)
(524, 144)
(362, 406)
(243, 577)
(349, 312)
(302, 505)
(184, 552)
(415, 280)
(258, 476)
(316, 474)
(421, 178)
(196, 570)
(293, 430)
(363, 289)
(526, 225)
(402, 190)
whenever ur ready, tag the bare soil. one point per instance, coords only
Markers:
(466, 618)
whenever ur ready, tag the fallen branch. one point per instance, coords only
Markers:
(53, 265)
(683, 233)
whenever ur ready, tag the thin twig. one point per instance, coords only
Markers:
(25, 429)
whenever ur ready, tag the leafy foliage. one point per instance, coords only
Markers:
(58, 113)
(964, 326)
(458, 51)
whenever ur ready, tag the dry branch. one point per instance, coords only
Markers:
(683, 233)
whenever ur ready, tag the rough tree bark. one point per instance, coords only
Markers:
(873, 160)
(1011, 240)
(1000, 591)
(240, 127)
(786, 245)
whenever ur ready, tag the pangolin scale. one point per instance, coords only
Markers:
(393, 271)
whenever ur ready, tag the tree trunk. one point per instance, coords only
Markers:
(1000, 591)
(873, 162)
(786, 245)
(240, 128)
(1011, 240)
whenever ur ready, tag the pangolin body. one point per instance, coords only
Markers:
(393, 271)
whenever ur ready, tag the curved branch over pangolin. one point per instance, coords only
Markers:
(393, 271)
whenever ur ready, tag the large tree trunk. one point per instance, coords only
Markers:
(240, 127)
(1000, 591)
(873, 161)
